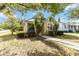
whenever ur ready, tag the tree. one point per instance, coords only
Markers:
(54, 24)
(23, 7)
(55, 28)
(38, 22)
(12, 23)
(55, 8)
(4, 25)
(74, 14)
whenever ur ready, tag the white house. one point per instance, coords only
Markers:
(71, 25)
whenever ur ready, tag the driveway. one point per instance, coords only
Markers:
(63, 42)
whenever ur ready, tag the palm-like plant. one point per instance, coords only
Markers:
(38, 22)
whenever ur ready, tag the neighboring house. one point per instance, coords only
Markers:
(70, 26)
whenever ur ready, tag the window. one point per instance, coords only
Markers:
(49, 27)
(31, 28)
(65, 26)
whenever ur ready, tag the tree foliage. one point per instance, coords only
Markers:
(12, 23)
(38, 22)
(4, 25)
(74, 14)
(23, 7)
(54, 24)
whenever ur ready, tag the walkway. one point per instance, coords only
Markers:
(66, 43)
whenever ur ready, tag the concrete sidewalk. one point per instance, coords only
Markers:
(66, 43)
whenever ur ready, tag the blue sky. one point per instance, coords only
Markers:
(2, 17)
(29, 14)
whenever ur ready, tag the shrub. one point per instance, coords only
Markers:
(60, 33)
(70, 31)
(20, 35)
(31, 34)
(55, 29)
(77, 31)
(23, 35)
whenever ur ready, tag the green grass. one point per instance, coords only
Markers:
(73, 34)
(67, 37)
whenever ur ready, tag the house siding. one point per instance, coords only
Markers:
(46, 23)
(68, 27)
(25, 27)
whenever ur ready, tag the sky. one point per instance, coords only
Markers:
(29, 14)
(2, 17)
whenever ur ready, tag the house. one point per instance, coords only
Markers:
(70, 26)
(29, 26)
(73, 27)
(48, 26)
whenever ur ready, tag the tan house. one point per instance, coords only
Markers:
(48, 26)
(29, 26)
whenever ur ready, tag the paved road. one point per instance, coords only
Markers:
(4, 32)
(66, 43)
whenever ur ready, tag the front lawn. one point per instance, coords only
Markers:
(33, 46)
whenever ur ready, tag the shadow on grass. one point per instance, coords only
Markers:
(50, 44)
